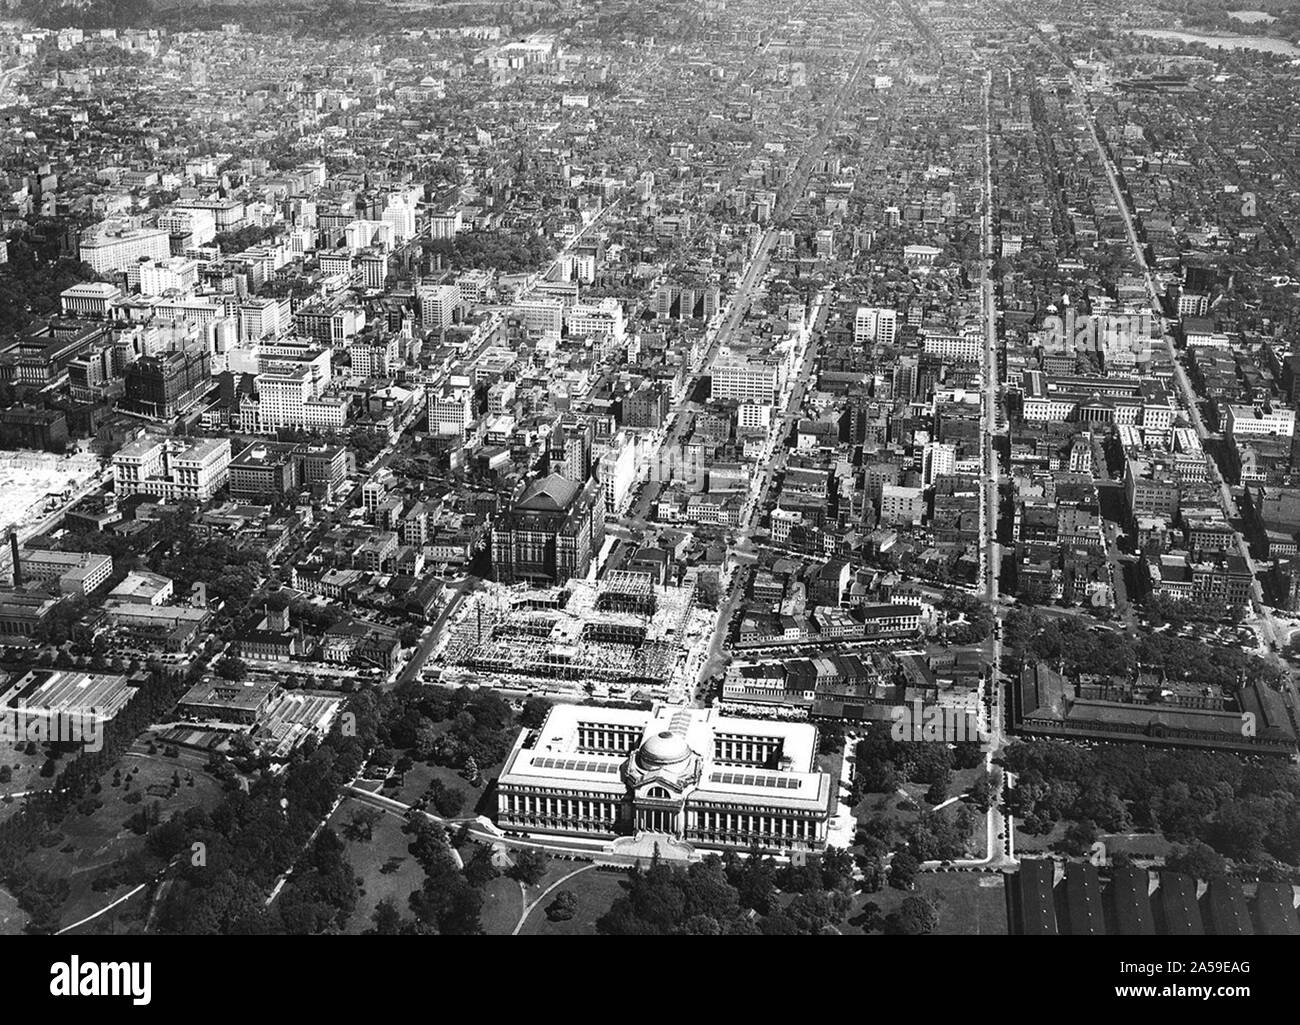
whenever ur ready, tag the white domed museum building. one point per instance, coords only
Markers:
(695, 778)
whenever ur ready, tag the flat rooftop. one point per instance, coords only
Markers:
(58, 690)
(556, 759)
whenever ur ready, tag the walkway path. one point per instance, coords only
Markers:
(108, 907)
(528, 908)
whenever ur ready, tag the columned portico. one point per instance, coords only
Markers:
(658, 820)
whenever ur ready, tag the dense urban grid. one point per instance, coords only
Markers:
(593, 466)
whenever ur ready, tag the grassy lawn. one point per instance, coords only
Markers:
(387, 847)
(125, 919)
(502, 904)
(420, 776)
(90, 843)
(12, 917)
(830, 763)
(1139, 845)
(596, 890)
(26, 770)
(964, 779)
(888, 806)
(1027, 843)
(970, 904)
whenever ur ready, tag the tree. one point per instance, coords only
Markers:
(708, 892)
(534, 713)
(530, 866)
(1079, 837)
(981, 792)
(448, 903)
(916, 916)
(836, 869)
(870, 918)
(447, 801)
(1198, 860)
(873, 873)
(778, 924)
(362, 825)
(563, 907)
(754, 878)
(815, 912)
(830, 737)
(426, 739)
(480, 871)
(242, 238)
(429, 846)
(228, 667)
(386, 918)
(902, 871)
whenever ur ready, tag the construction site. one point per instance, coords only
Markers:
(619, 637)
(35, 483)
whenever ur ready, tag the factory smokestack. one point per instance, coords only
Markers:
(18, 565)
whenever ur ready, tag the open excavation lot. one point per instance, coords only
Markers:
(28, 480)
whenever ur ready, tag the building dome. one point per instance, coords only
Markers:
(663, 749)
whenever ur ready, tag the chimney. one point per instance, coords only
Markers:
(18, 565)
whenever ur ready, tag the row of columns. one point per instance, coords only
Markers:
(557, 808)
(656, 820)
(595, 738)
(747, 823)
(743, 750)
(584, 813)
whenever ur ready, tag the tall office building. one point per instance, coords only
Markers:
(570, 449)
(875, 324)
(167, 384)
(938, 460)
(437, 305)
(746, 379)
(172, 468)
(108, 252)
(550, 533)
(450, 409)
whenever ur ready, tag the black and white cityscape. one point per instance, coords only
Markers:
(650, 467)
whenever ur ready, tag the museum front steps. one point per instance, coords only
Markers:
(620, 852)
(642, 847)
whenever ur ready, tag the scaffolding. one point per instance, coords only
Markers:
(627, 591)
(573, 635)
